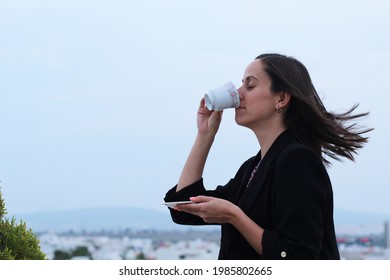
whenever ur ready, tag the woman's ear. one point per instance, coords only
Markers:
(283, 99)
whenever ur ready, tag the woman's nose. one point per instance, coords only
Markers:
(240, 92)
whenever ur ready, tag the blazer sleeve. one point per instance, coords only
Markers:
(197, 188)
(184, 218)
(303, 198)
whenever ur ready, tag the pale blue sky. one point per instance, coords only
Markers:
(99, 98)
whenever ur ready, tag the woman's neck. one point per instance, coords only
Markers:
(266, 137)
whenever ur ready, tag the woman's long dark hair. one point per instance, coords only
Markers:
(325, 132)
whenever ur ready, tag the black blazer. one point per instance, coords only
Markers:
(290, 197)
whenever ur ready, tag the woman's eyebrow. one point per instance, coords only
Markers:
(249, 78)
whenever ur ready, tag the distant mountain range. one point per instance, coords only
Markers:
(137, 218)
(98, 218)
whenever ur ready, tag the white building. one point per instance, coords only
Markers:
(188, 250)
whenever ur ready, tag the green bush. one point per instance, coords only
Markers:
(79, 251)
(16, 241)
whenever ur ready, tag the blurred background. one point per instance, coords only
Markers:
(99, 103)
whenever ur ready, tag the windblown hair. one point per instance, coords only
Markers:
(327, 133)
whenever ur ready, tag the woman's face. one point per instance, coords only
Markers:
(258, 103)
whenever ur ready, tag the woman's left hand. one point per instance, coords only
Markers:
(211, 209)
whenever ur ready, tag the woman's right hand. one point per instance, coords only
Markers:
(208, 121)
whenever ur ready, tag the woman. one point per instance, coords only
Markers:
(279, 205)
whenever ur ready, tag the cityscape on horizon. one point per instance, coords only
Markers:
(183, 244)
(161, 239)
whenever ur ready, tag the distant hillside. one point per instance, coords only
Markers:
(136, 218)
(98, 218)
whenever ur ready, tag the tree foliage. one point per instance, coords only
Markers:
(79, 251)
(16, 241)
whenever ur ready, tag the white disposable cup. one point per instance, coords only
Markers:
(223, 97)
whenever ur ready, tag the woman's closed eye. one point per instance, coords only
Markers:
(249, 87)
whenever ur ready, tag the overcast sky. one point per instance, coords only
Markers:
(99, 98)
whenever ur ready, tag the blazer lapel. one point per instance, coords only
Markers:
(247, 196)
(250, 194)
(245, 178)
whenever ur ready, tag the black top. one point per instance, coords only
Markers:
(290, 197)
